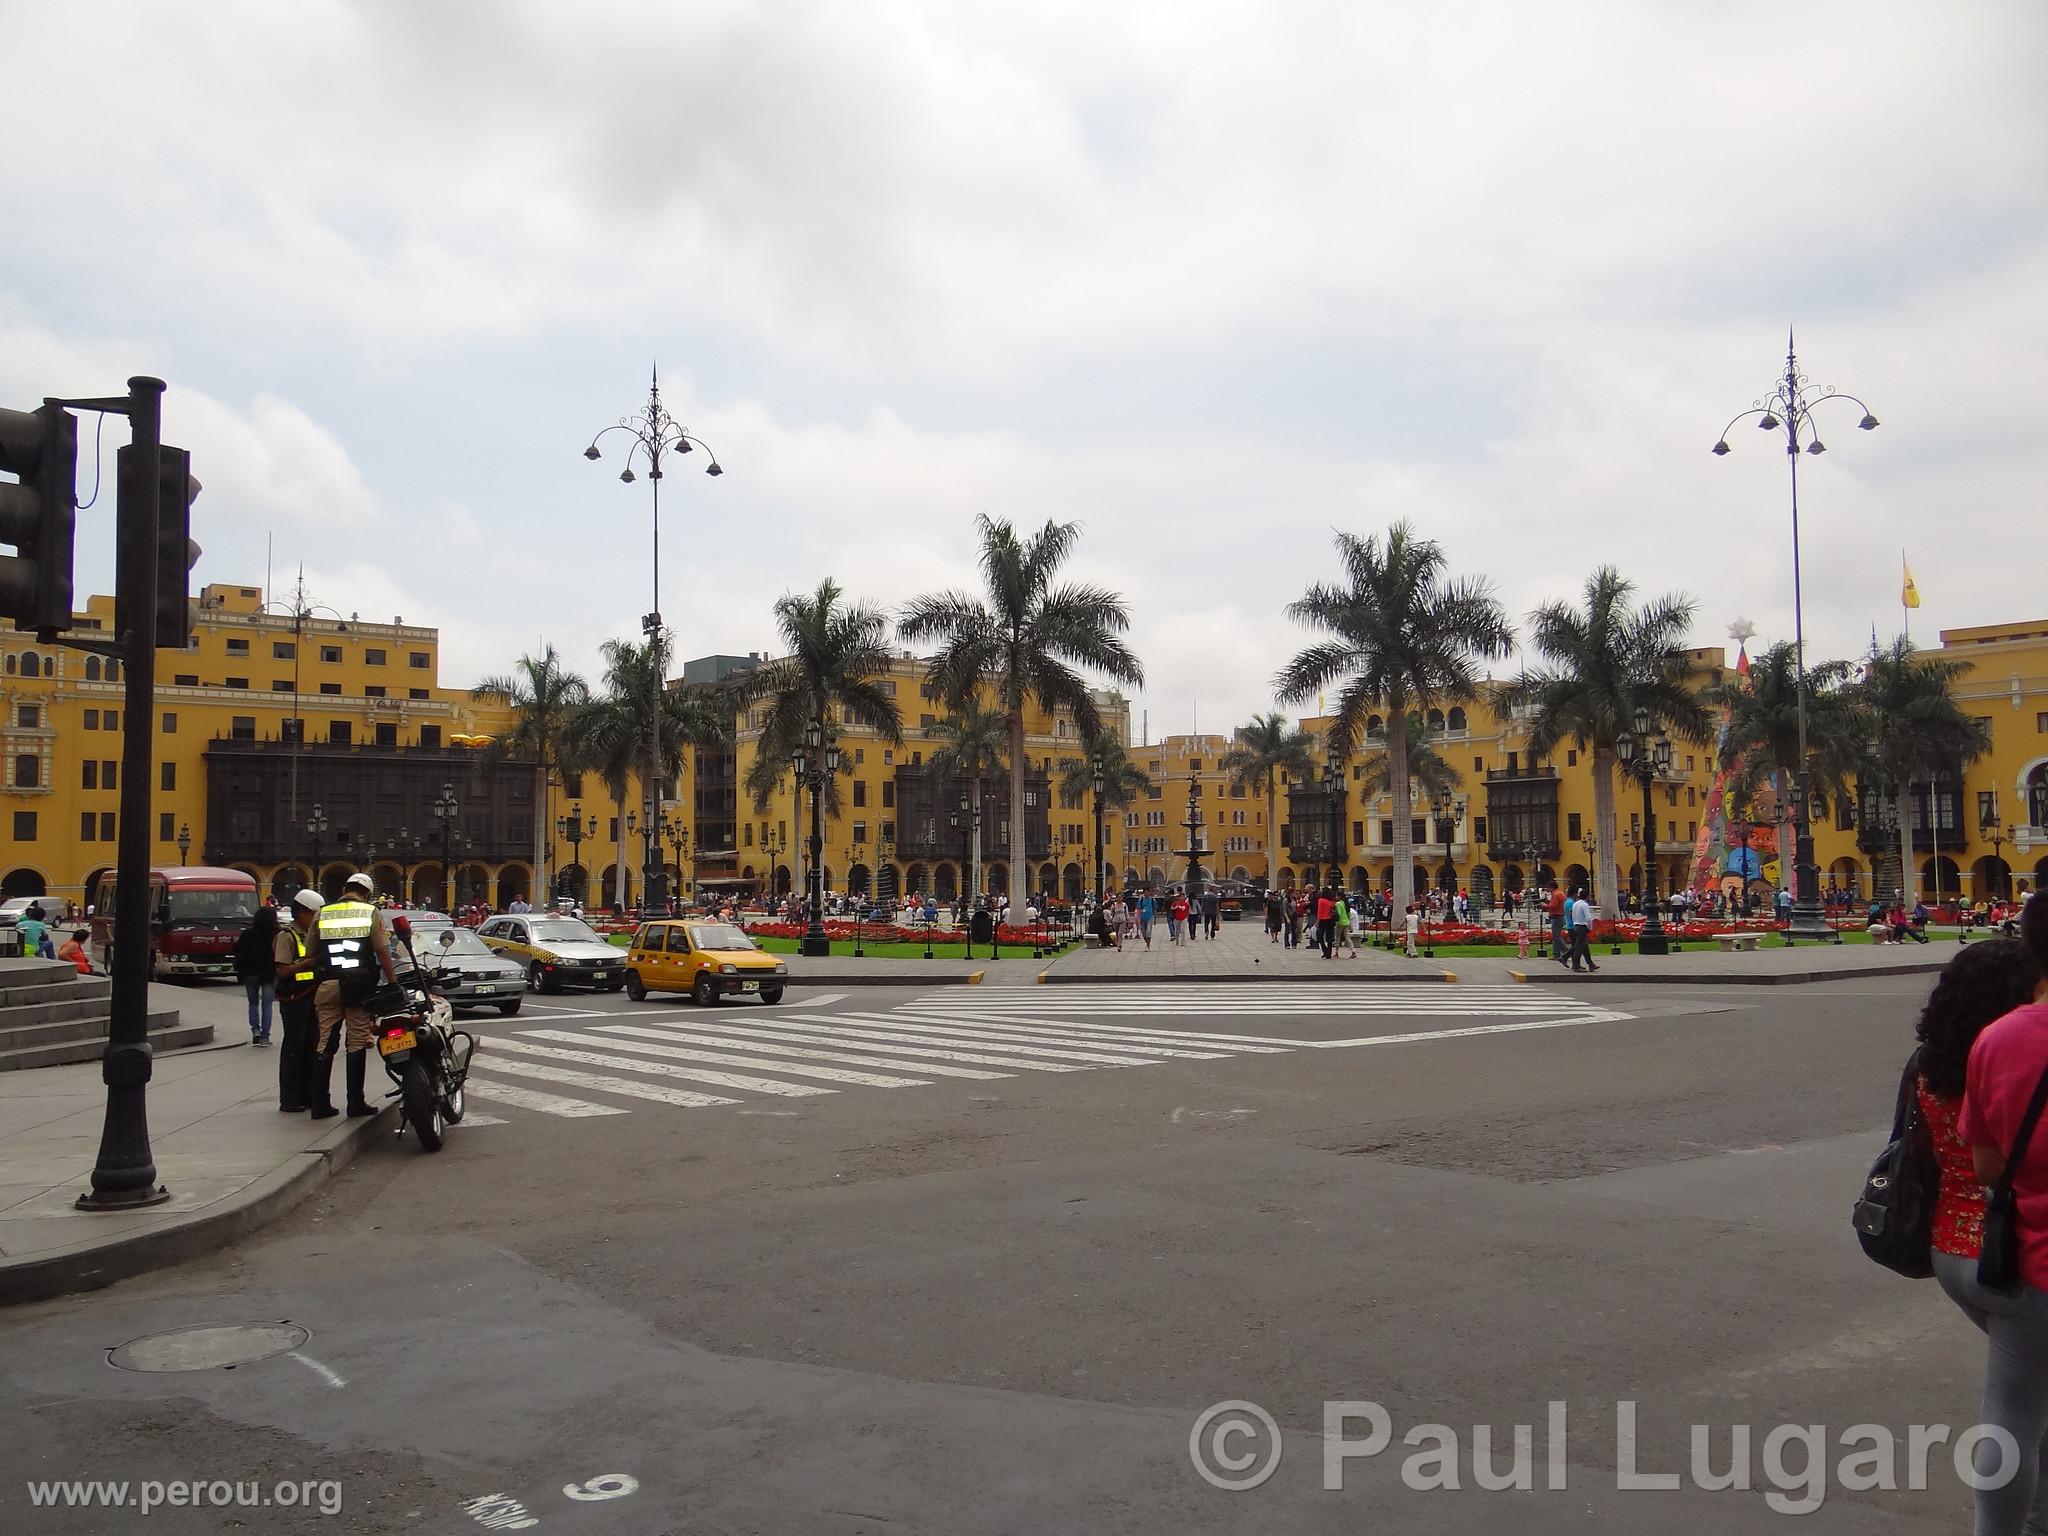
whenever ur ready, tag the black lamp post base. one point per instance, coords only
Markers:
(122, 1199)
(815, 944)
(1653, 941)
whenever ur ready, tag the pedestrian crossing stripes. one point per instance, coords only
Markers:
(575, 1066)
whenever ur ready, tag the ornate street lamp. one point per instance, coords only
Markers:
(1992, 829)
(655, 436)
(1333, 787)
(1789, 408)
(1449, 810)
(316, 828)
(814, 763)
(184, 840)
(1096, 781)
(572, 829)
(447, 810)
(1646, 756)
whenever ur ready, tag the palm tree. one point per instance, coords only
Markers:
(1917, 730)
(836, 659)
(1403, 636)
(1024, 641)
(1762, 742)
(1428, 769)
(542, 695)
(1606, 660)
(974, 740)
(1122, 780)
(608, 734)
(1261, 753)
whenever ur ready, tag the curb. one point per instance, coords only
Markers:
(1721, 979)
(89, 1266)
(1239, 978)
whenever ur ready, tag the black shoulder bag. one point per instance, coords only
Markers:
(1998, 1261)
(1894, 1220)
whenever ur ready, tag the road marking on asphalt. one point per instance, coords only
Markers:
(820, 1034)
(545, 1103)
(725, 1037)
(1516, 1027)
(725, 1059)
(324, 1373)
(653, 1068)
(476, 1119)
(887, 1027)
(1127, 1033)
(824, 999)
(630, 1087)
(978, 1029)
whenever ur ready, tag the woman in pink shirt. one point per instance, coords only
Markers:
(2008, 1065)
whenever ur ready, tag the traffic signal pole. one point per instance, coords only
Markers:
(124, 1177)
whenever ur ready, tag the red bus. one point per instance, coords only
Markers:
(195, 916)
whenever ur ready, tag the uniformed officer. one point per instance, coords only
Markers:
(354, 949)
(297, 980)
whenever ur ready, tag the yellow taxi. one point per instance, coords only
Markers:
(706, 959)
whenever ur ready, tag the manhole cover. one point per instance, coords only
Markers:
(207, 1349)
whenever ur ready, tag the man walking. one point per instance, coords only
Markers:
(354, 949)
(297, 981)
(1554, 908)
(1582, 931)
(1212, 912)
(1326, 920)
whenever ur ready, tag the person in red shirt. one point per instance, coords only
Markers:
(73, 949)
(1178, 912)
(2007, 1062)
(1553, 908)
(1326, 920)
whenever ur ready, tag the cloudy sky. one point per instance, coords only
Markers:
(1213, 279)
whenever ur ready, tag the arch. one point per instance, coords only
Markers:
(1545, 876)
(31, 666)
(1434, 721)
(1847, 874)
(1375, 728)
(1446, 876)
(1241, 874)
(998, 879)
(1070, 882)
(92, 881)
(858, 879)
(1456, 720)
(2037, 796)
(572, 882)
(781, 880)
(1155, 876)
(514, 880)
(390, 879)
(1386, 881)
(113, 671)
(24, 882)
(1421, 879)
(288, 881)
(917, 881)
(429, 890)
(1130, 876)
(1574, 878)
(608, 886)
(2040, 873)
(1940, 875)
(946, 882)
(1048, 878)
(1511, 879)
(1480, 886)
(332, 874)
(1361, 878)
(92, 669)
(11, 664)
(1286, 876)
(472, 883)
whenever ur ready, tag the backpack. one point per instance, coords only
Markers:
(1894, 1220)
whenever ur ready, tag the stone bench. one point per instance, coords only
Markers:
(1732, 942)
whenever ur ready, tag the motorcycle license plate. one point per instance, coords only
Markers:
(750, 986)
(391, 1045)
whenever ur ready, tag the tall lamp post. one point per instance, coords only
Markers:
(816, 761)
(1096, 782)
(184, 840)
(1991, 828)
(1645, 757)
(447, 810)
(655, 435)
(1789, 408)
(678, 833)
(1333, 786)
(316, 828)
(1449, 810)
(572, 831)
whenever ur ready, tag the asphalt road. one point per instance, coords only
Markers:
(999, 1300)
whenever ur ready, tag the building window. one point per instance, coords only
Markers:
(330, 653)
(859, 756)
(926, 722)
(88, 827)
(1358, 832)
(283, 650)
(282, 685)
(339, 732)
(1386, 833)
(888, 794)
(242, 728)
(167, 776)
(28, 771)
(1478, 829)
(28, 716)
(416, 693)
(860, 792)
(1571, 760)
(430, 736)
(107, 773)
(238, 682)
(1571, 827)
(1418, 831)
(373, 658)
(387, 734)
(330, 687)
(612, 832)
(2041, 722)
(291, 730)
(420, 661)
(238, 647)
(106, 826)
(24, 826)
(165, 826)
(860, 833)
(572, 785)
(185, 680)
(91, 779)
(111, 719)
(888, 758)
(373, 691)
(170, 725)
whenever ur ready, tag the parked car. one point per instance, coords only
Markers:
(705, 959)
(557, 951)
(467, 971)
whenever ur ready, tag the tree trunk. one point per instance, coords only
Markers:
(1018, 854)
(619, 884)
(1272, 825)
(1909, 881)
(1607, 830)
(1397, 776)
(536, 897)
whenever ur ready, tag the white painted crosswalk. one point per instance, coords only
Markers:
(576, 1066)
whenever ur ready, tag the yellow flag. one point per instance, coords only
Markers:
(1909, 595)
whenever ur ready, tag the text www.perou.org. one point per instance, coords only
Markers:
(199, 1493)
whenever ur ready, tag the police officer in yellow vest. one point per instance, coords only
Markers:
(297, 980)
(354, 950)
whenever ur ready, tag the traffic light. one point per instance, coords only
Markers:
(37, 517)
(176, 554)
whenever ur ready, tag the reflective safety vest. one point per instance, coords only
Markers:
(305, 976)
(344, 933)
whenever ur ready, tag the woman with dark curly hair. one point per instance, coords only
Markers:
(1982, 983)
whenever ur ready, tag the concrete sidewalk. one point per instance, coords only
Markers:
(1239, 952)
(229, 1159)
(1703, 964)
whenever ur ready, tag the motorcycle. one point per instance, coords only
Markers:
(426, 1056)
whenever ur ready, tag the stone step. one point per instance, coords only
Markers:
(22, 993)
(166, 1033)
